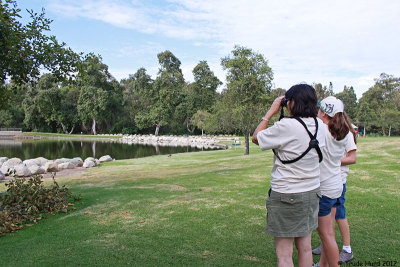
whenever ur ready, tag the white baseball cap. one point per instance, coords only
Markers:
(331, 105)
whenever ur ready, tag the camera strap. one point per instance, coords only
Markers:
(313, 143)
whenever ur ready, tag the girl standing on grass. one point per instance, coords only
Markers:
(292, 205)
(350, 157)
(331, 113)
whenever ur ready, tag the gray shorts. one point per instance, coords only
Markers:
(292, 215)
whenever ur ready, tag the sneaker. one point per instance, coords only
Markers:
(317, 251)
(344, 256)
(315, 265)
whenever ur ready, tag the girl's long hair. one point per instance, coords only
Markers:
(338, 126)
(348, 122)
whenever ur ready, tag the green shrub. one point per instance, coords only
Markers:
(27, 199)
(130, 130)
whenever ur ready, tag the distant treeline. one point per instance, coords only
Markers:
(95, 102)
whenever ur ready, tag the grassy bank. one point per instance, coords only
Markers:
(200, 209)
(75, 136)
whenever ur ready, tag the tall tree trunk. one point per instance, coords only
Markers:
(246, 143)
(365, 132)
(64, 128)
(202, 132)
(383, 131)
(94, 127)
(188, 126)
(390, 129)
(157, 128)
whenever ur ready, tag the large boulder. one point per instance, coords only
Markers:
(90, 159)
(62, 160)
(6, 170)
(105, 158)
(78, 162)
(2, 160)
(66, 165)
(89, 164)
(36, 169)
(30, 162)
(12, 162)
(42, 161)
(22, 171)
(2, 176)
(51, 166)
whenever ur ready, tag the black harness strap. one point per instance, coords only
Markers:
(313, 143)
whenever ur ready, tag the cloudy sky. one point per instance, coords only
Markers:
(343, 42)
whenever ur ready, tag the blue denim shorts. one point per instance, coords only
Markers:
(340, 209)
(326, 204)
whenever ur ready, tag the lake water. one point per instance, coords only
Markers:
(54, 149)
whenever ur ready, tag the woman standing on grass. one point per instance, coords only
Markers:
(331, 113)
(292, 205)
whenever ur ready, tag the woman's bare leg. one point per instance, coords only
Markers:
(284, 251)
(303, 245)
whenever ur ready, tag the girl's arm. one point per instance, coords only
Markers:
(351, 158)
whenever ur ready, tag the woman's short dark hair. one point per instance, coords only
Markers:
(305, 100)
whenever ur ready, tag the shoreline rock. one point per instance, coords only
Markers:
(40, 165)
(173, 140)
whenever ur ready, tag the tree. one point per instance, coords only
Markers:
(391, 117)
(92, 105)
(248, 84)
(379, 105)
(68, 118)
(199, 119)
(97, 87)
(166, 94)
(13, 115)
(48, 103)
(390, 88)
(321, 91)
(367, 110)
(349, 98)
(202, 92)
(330, 89)
(34, 109)
(220, 120)
(204, 87)
(25, 49)
(136, 95)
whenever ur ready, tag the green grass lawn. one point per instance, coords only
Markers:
(201, 209)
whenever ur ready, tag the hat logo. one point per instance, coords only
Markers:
(329, 108)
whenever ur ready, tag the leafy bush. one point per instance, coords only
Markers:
(130, 130)
(27, 199)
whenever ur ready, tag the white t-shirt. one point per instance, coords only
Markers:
(350, 145)
(290, 139)
(331, 178)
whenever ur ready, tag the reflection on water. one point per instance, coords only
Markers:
(9, 143)
(54, 149)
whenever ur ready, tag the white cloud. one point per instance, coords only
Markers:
(149, 48)
(345, 42)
